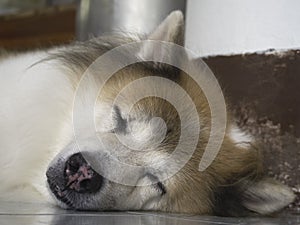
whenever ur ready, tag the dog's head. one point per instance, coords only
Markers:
(129, 166)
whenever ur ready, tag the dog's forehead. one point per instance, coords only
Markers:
(108, 116)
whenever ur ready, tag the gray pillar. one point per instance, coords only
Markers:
(96, 17)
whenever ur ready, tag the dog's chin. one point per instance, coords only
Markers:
(55, 186)
(61, 198)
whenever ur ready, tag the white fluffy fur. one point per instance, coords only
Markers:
(239, 137)
(29, 133)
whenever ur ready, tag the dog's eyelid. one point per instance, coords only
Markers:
(160, 186)
(120, 124)
(112, 131)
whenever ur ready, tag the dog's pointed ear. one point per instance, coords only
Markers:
(264, 197)
(170, 30)
(267, 196)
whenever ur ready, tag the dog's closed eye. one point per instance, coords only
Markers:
(120, 124)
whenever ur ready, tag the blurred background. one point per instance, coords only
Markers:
(252, 46)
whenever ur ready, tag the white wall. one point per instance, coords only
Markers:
(223, 27)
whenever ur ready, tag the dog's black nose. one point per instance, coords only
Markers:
(80, 177)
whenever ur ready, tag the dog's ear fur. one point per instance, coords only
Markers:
(264, 197)
(170, 30)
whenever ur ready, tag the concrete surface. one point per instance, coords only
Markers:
(36, 214)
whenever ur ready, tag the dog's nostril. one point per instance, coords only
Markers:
(80, 177)
(90, 186)
(74, 162)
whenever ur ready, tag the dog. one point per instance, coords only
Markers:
(42, 159)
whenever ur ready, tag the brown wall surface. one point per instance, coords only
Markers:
(38, 28)
(263, 91)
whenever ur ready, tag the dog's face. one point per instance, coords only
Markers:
(89, 179)
(141, 137)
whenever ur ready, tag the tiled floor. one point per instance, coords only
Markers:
(36, 214)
